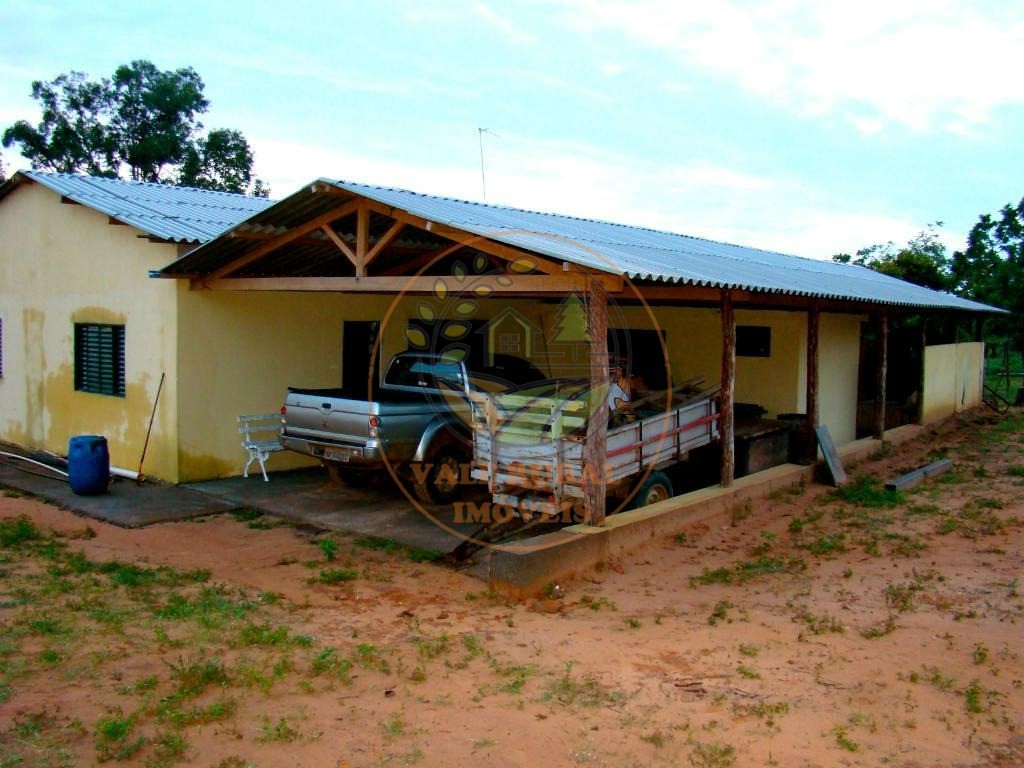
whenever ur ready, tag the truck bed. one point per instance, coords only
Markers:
(531, 453)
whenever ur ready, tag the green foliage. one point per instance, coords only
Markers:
(17, 531)
(922, 260)
(974, 698)
(866, 491)
(329, 547)
(713, 755)
(337, 575)
(143, 121)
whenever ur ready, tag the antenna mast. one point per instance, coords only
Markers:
(483, 176)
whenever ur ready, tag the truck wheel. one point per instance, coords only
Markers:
(441, 483)
(346, 476)
(656, 487)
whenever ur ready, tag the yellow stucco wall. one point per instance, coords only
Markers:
(694, 341)
(838, 363)
(238, 353)
(777, 383)
(953, 379)
(61, 264)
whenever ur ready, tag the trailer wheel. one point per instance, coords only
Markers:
(441, 482)
(348, 477)
(655, 487)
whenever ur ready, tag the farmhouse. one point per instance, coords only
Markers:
(107, 285)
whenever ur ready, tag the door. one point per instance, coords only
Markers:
(358, 338)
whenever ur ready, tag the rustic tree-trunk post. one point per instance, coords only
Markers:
(880, 374)
(924, 379)
(595, 447)
(726, 423)
(813, 416)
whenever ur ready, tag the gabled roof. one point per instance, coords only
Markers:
(642, 254)
(649, 254)
(163, 211)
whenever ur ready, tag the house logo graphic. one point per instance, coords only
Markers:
(478, 335)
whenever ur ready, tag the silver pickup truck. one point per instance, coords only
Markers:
(418, 420)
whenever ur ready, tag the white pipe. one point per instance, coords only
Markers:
(33, 461)
(125, 473)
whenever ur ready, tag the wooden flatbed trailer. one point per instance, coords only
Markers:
(529, 448)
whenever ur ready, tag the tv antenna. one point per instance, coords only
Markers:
(483, 176)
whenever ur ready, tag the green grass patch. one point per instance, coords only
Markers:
(866, 491)
(337, 575)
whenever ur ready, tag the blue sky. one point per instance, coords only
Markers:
(809, 127)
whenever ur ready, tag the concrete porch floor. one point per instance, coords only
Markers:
(307, 497)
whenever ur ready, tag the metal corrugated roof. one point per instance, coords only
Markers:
(177, 214)
(648, 254)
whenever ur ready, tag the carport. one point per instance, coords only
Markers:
(351, 240)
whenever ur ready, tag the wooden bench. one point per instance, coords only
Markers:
(255, 430)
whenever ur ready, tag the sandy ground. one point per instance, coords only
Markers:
(805, 630)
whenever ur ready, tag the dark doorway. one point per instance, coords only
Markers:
(357, 340)
(642, 353)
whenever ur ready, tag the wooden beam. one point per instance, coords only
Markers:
(293, 234)
(480, 243)
(595, 456)
(749, 299)
(263, 237)
(385, 240)
(882, 361)
(507, 284)
(362, 239)
(341, 245)
(726, 422)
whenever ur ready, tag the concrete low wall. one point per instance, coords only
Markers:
(525, 567)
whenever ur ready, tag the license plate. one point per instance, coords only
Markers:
(337, 454)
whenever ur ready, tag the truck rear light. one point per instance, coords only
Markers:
(374, 423)
(284, 410)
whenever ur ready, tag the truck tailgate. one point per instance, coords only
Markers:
(322, 415)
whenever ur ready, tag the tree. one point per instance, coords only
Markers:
(223, 161)
(991, 268)
(154, 118)
(143, 122)
(922, 261)
(72, 135)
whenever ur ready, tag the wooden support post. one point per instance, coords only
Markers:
(813, 323)
(726, 423)
(924, 380)
(362, 239)
(805, 432)
(880, 374)
(595, 447)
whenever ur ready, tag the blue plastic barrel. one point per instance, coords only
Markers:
(88, 464)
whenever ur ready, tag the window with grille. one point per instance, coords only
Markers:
(99, 359)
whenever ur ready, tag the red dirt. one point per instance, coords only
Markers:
(637, 664)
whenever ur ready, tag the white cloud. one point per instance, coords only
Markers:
(511, 31)
(612, 69)
(918, 63)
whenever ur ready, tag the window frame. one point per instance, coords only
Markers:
(99, 359)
